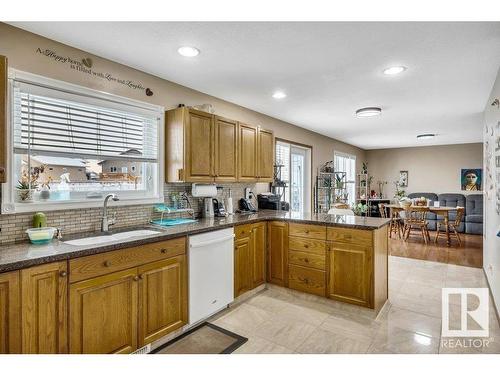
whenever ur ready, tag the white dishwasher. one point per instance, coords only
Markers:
(211, 273)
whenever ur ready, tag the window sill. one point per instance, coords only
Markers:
(18, 208)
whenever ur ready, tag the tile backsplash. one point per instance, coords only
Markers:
(13, 227)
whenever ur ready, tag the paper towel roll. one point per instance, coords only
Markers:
(203, 190)
(229, 206)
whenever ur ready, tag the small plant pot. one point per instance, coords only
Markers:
(24, 195)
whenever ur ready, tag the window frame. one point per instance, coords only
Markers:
(353, 157)
(8, 202)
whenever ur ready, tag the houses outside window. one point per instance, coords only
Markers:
(63, 138)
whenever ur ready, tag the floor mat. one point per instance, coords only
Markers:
(207, 338)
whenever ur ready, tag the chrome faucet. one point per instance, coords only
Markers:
(105, 222)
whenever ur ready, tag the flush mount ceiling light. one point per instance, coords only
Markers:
(393, 70)
(187, 51)
(368, 112)
(426, 136)
(279, 95)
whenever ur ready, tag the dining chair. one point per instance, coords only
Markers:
(415, 220)
(452, 225)
(395, 223)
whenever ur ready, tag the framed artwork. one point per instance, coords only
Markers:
(403, 178)
(471, 179)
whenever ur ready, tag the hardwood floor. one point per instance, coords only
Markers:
(469, 254)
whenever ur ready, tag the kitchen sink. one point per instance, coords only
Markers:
(110, 238)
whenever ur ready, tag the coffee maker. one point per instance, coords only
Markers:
(218, 207)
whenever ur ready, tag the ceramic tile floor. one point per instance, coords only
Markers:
(279, 320)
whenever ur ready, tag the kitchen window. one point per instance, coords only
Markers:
(347, 163)
(70, 146)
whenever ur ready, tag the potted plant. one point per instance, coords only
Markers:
(338, 182)
(28, 184)
(359, 209)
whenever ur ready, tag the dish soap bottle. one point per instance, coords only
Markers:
(39, 220)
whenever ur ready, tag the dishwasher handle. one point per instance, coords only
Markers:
(218, 240)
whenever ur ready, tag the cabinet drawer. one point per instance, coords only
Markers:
(307, 280)
(307, 230)
(101, 264)
(300, 258)
(241, 231)
(307, 245)
(352, 236)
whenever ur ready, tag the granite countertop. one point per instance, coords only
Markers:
(22, 255)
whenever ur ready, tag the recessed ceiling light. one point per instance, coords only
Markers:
(368, 112)
(187, 51)
(394, 70)
(426, 136)
(279, 95)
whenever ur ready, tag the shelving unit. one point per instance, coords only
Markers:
(330, 188)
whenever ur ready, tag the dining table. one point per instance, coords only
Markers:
(443, 211)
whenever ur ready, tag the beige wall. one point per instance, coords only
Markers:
(20, 48)
(434, 169)
(491, 243)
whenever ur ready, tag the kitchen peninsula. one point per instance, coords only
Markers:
(338, 257)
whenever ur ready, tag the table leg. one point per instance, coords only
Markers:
(446, 220)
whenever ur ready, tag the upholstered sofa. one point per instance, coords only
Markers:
(472, 222)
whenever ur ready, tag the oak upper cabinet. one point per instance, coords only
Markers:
(103, 314)
(265, 159)
(44, 309)
(10, 319)
(3, 119)
(163, 306)
(277, 254)
(243, 274)
(247, 155)
(226, 149)
(189, 154)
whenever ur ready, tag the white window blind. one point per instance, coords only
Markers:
(48, 121)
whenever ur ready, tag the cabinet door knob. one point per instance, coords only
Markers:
(307, 231)
(141, 277)
(306, 260)
(163, 251)
(306, 246)
(136, 278)
(63, 273)
(107, 263)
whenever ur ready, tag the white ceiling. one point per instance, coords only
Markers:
(328, 70)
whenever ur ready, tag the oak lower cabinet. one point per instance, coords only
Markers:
(44, 309)
(104, 314)
(249, 257)
(350, 274)
(277, 253)
(163, 306)
(307, 258)
(10, 319)
(357, 262)
(125, 310)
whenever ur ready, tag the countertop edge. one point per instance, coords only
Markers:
(26, 263)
